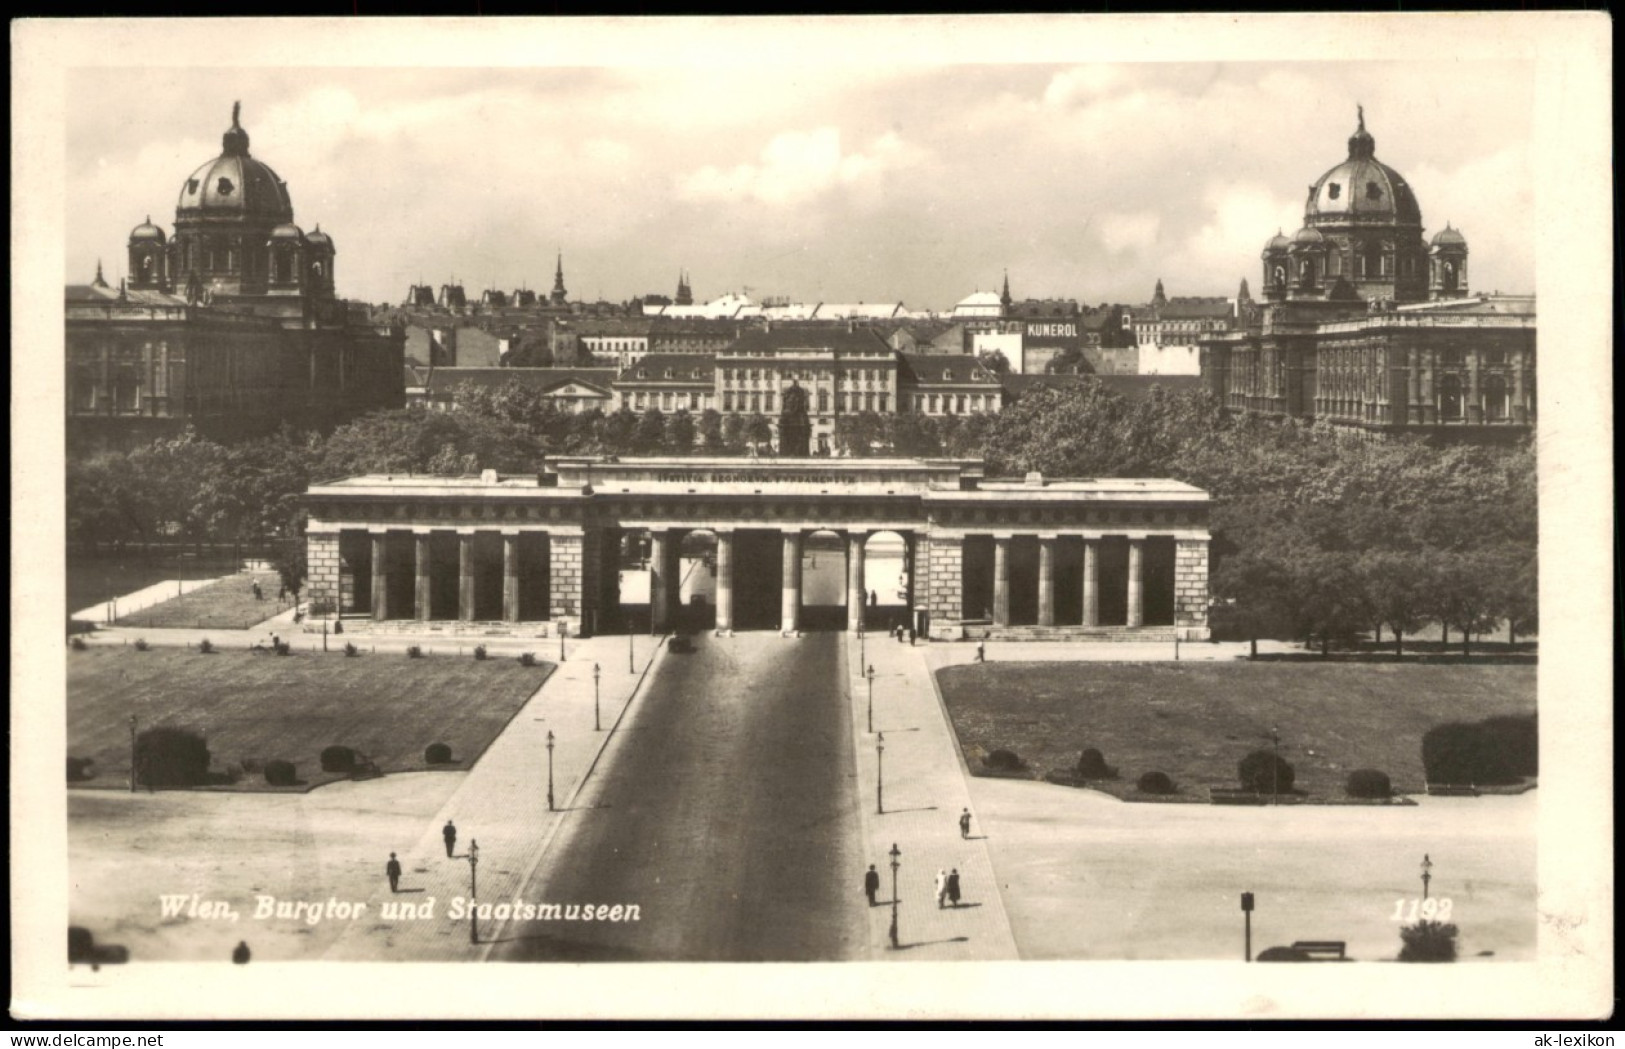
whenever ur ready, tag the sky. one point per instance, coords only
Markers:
(817, 180)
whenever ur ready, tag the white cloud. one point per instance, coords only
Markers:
(797, 166)
(1128, 232)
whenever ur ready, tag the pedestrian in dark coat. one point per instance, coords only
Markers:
(392, 870)
(449, 832)
(871, 884)
(964, 824)
(953, 887)
(239, 954)
(258, 596)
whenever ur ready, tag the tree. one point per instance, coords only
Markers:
(913, 435)
(616, 430)
(680, 432)
(1069, 361)
(1395, 592)
(733, 433)
(1519, 586)
(1428, 941)
(1261, 589)
(758, 431)
(650, 432)
(289, 562)
(1464, 593)
(710, 431)
(858, 435)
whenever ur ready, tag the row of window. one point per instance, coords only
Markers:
(954, 403)
(752, 376)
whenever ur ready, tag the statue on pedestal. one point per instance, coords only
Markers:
(795, 432)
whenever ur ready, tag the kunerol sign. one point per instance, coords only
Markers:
(1052, 333)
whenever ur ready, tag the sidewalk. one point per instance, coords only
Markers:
(503, 805)
(924, 791)
(156, 594)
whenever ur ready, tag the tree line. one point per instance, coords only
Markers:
(1317, 534)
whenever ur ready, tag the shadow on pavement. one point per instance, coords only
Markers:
(932, 943)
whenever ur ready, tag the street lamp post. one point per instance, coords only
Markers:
(549, 770)
(595, 725)
(564, 628)
(1247, 919)
(1427, 876)
(869, 678)
(895, 854)
(132, 753)
(880, 773)
(473, 890)
(631, 659)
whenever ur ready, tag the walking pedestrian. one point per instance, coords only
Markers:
(910, 637)
(239, 954)
(392, 870)
(874, 599)
(964, 824)
(255, 586)
(338, 626)
(282, 592)
(953, 887)
(449, 832)
(871, 884)
(981, 652)
(942, 888)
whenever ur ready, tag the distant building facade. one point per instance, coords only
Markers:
(232, 324)
(1370, 327)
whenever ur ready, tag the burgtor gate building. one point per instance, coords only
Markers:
(535, 554)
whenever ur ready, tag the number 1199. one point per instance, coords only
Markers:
(1428, 910)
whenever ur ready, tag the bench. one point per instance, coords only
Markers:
(1322, 950)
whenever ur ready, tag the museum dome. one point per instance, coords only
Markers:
(288, 232)
(1362, 189)
(1277, 243)
(1449, 237)
(147, 232)
(1308, 238)
(236, 184)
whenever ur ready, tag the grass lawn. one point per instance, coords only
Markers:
(263, 707)
(92, 579)
(226, 605)
(1197, 721)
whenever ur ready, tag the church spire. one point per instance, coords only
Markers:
(234, 143)
(100, 281)
(1158, 297)
(558, 282)
(1004, 296)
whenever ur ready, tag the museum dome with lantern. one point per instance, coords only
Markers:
(234, 234)
(1362, 237)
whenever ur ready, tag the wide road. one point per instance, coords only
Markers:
(724, 810)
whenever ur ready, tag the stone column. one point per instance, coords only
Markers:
(1413, 388)
(1046, 580)
(857, 596)
(1520, 411)
(660, 581)
(565, 553)
(1190, 588)
(1475, 398)
(725, 580)
(465, 576)
(1136, 582)
(790, 605)
(1091, 582)
(510, 577)
(1430, 410)
(1001, 580)
(380, 578)
(421, 592)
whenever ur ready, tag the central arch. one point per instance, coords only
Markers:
(823, 580)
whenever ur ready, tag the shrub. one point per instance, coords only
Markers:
(205, 646)
(350, 650)
(79, 769)
(80, 626)
(171, 757)
(1156, 783)
(1003, 760)
(282, 648)
(141, 644)
(252, 765)
(1092, 765)
(437, 754)
(1428, 942)
(1369, 783)
(414, 652)
(338, 759)
(527, 659)
(1265, 772)
(1457, 752)
(479, 651)
(1517, 738)
(1282, 954)
(77, 644)
(280, 773)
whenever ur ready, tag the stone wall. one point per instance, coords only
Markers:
(1190, 588)
(322, 569)
(943, 596)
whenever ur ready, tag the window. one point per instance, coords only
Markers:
(933, 404)
(1334, 190)
(882, 402)
(1373, 191)
(727, 400)
(224, 187)
(768, 398)
(823, 401)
